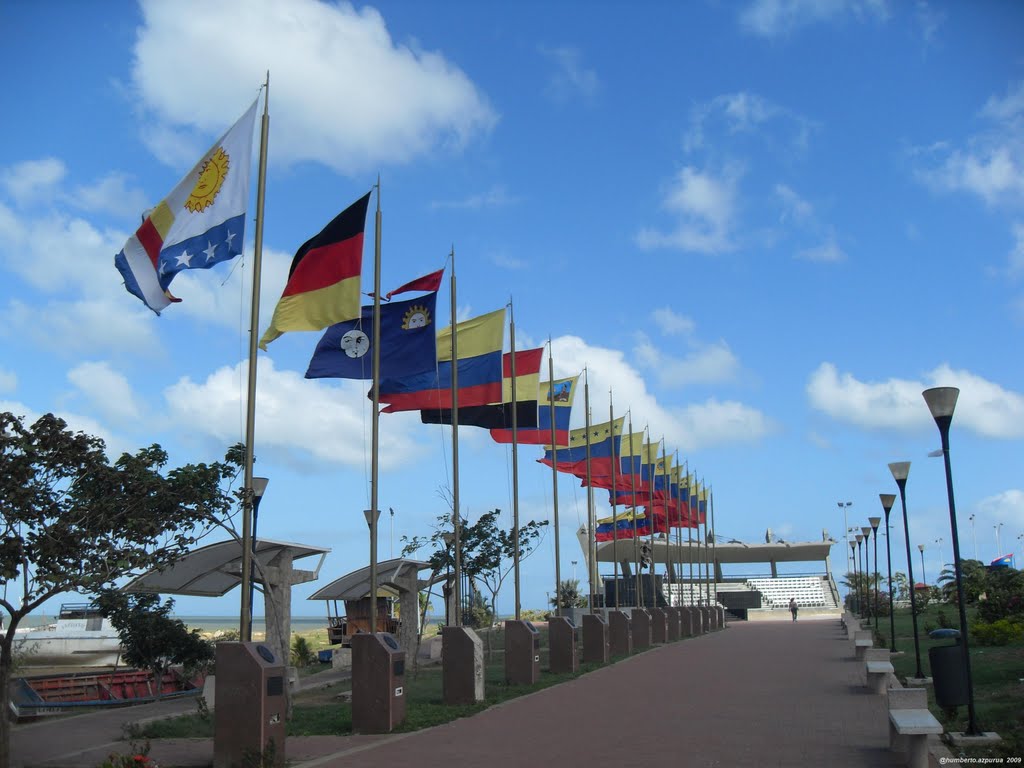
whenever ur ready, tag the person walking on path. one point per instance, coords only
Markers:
(793, 608)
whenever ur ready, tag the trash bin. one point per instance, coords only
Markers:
(949, 675)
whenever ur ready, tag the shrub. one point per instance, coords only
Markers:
(302, 654)
(943, 620)
(1001, 632)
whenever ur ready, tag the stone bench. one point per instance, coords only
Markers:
(862, 640)
(877, 668)
(910, 724)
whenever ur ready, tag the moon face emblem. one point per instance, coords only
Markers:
(355, 343)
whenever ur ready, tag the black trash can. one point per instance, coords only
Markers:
(949, 675)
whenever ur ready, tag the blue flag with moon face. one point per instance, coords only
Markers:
(408, 343)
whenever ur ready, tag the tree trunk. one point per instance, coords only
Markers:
(6, 657)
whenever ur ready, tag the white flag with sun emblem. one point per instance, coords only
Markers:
(201, 223)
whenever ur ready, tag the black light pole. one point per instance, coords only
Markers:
(853, 583)
(449, 539)
(942, 402)
(860, 566)
(924, 579)
(874, 578)
(900, 470)
(888, 499)
(867, 572)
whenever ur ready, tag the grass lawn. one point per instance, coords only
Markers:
(997, 673)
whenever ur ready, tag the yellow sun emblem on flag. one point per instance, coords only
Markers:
(211, 179)
(416, 317)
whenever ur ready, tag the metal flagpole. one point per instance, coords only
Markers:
(632, 478)
(515, 461)
(554, 476)
(245, 619)
(592, 542)
(456, 518)
(375, 421)
(615, 508)
(707, 559)
(714, 542)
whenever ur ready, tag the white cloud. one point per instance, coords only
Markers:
(775, 18)
(300, 421)
(983, 407)
(745, 113)
(8, 381)
(704, 205)
(33, 180)
(706, 364)
(991, 165)
(107, 391)
(113, 194)
(570, 77)
(1017, 254)
(505, 261)
(71, 326)
(826, 253)
(794, 206)
(929, 19)
(328, 63)
(115, 445)
(687, 428)
(1006, 507)
(671, 323)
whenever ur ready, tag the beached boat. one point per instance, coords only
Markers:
(81, 636)
(63, 694)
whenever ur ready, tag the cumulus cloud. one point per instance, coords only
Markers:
(328, 61)
(1006, 507)
(777, 18)
(107, 391)
(671, 323)
(704, 206)
(704, 364)
(793, 205)
(687, 428)
(495, 197)
(826, 253)
(300, 422)
(984, 407)
(991, 164)
(746, 114)
(33, 180)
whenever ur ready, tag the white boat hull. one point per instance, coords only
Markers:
(86, 650)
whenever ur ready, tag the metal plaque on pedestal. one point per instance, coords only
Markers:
(595, 639)
(249, 718)
(522, 653)
(563, 650)
(462, 666)
(620, 631)
(378, 683)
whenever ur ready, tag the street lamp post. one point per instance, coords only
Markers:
(854, 591)
(888, 499)
(999, 549)
(942, 402)
(860, 590)
(866, 530)
(874, 531)
(974, 536)
(449, 538)
(845, 505)
(924, 579)
(900, 470)
(259, 486)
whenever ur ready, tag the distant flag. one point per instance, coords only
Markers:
(1005, 560)
(499, 415)
(604, 445)
(408, 342)
(199, 224)
(479, 346)
(562, 393)
(431, 282)
(323, 282)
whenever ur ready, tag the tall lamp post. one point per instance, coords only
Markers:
(874, 532)
(924, 579)
(866, 530)
(845, 505)
(999, 549)
(860, 589)
(449, 539)
(854, 591)
(942, 402)
(974, 535)
(888, 499)
(900, 471)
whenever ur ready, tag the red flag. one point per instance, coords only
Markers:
(431, 282)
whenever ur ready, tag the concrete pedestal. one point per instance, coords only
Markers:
(563, 653)
(378, 683)
(595, 639)
(641, 628)
(620, 631)
(462, 666)
(659, 626)
(522, 653)
(674, 624)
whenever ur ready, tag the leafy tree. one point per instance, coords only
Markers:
(569, 595)
(974, 576)
(150, 637)
(70, 520)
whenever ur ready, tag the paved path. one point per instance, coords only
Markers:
(756, 694)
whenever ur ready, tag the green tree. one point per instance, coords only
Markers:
(975, 579)
(569, 595)
(150, 637)
(74, 521)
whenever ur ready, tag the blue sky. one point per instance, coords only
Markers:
(764, 227)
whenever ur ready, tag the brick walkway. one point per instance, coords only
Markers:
(758, 694)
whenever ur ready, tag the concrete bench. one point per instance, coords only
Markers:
(862, 640)
(910, 724)
(878, 675)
